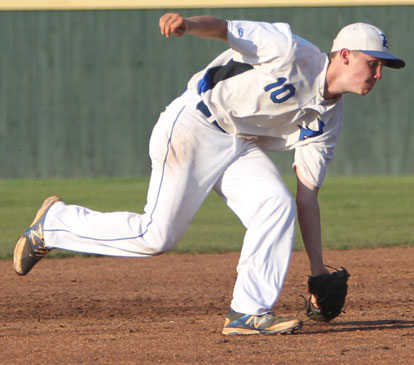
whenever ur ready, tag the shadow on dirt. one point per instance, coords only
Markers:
(356, 326)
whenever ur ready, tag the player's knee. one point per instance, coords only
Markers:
(287, 204)
(281, 206)
(290, 204)
(162, 244)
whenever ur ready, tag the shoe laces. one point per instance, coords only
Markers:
(37, 242)
(40, 251)
(260, 321)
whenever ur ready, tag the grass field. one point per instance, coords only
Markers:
(357, 212)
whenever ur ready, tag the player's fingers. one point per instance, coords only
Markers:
(314, 301)
(164, 20)
(172, 23)
(175, 24)
(162, 23)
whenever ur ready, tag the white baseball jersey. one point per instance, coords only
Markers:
(269, 87)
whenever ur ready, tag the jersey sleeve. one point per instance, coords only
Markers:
(259, 42)
(312, 160)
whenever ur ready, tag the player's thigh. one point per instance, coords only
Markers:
(251, 181)
(188, 155)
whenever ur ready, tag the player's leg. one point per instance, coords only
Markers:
(182, 150)
(254, 190)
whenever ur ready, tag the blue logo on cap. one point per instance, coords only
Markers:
(384, 40)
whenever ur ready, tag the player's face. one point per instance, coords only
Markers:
(365, 71)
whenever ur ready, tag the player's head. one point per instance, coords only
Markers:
(358, 54)
(367, 39)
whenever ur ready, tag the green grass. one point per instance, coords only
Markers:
(357, 212)
(368, 211)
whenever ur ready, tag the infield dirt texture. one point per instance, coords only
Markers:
(170, 309)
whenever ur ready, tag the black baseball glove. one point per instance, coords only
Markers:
(330, 291)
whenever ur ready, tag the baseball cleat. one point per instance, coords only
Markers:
(30, 247)
(246, 324)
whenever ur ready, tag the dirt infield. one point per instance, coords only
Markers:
(170, 310)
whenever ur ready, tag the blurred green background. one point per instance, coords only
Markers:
(81, 90)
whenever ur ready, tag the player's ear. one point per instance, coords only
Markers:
(344, 55)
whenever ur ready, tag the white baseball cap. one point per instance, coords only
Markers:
(367, 39)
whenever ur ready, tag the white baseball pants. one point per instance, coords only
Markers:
(190, 157)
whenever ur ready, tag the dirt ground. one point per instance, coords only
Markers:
(170, 310)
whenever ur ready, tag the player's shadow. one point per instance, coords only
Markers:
(387, 324)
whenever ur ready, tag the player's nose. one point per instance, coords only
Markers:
(378, 73)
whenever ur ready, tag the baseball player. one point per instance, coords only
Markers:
(271, 90)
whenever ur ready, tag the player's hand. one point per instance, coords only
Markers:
(318, 270)
(172, 23)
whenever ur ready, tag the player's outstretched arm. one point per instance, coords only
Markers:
(203, 26)
(310, 222)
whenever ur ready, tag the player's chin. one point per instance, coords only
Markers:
(365, 90)
(364, 87)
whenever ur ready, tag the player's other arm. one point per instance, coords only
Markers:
(310, 222)
(201, 26)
